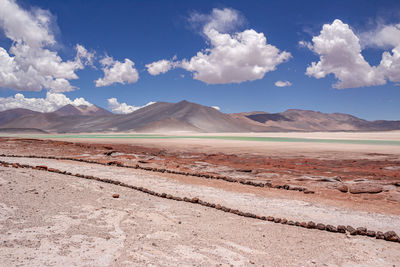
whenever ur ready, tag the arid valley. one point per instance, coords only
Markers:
(101, 200)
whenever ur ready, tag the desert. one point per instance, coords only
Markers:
(200, 133)
(202, 202)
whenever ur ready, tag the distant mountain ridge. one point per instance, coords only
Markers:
(184, 116)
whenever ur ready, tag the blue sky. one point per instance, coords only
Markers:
(148, 31)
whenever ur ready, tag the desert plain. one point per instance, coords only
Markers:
(179, 199)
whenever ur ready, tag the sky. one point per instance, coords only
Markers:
(237, 56)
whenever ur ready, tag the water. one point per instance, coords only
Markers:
(236, 138)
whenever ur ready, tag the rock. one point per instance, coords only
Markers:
(283, 221)
(371, 233)
(14, 165)
(351, 230)
(362, 188)
(343, 188)
(115, 195)
(341, 229)
(303, 224)
(361, 231)
(41, 167)
(331, 228)
(277, 220)
(320, 226)
(380, 235)
(307, 191)
(194, 200)
(311, 225)
(270, 218)
(290, 223)
(244, 170)
(391, 236)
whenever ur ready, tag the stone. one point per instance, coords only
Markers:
(343, 188)
(115, 195)
(303, 224)
(341, 229)
(331, 228)
(371, 233)
(311, 225)
(270, 218)
(290, 223)
(380, 235)
(351, 230)
(277, 220)
(361, 231)
(365, 188)
(284, 221)
(194, 200)
(320, 226)
(391, 236)
(307, 191)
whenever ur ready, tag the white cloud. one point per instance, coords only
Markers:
(123, 108)
(282, 83)
(233, 58)
(383, 36)
(161, 66)
(117, 72)
(52, 102)
(339, 50)
(216, 107)
(30, 64)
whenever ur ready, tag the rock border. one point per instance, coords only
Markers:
(163, 170)
(388, 236)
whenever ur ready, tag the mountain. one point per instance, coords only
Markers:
(11, 114)
(82, 110)
(185, 116)
(308, 120)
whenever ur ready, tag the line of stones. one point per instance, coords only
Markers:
(162, 170)
(388, 236)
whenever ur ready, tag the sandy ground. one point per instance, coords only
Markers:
(48, 221)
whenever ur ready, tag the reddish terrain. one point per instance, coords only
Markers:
(362, 184)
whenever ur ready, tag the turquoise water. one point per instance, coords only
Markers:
(238, 138)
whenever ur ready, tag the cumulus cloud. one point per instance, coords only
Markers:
(30, 64)
(123, 108)
(282, 83)
(117, 72)
(161, 66)
(231, 57)
(339, 50)
(384, 36)
(339, 53)
(216, 107)
(52, 102)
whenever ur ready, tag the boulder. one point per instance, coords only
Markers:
(351, 230)
(115, 195)
(320, 226)
(342, 188)
(331, 228)
(311, 225)
(362, 188)
(361, 231)
(380, 235)
(341, 229)
(391, 236)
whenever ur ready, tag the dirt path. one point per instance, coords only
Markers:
(45, 220)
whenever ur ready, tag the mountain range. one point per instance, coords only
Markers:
(183, 116)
